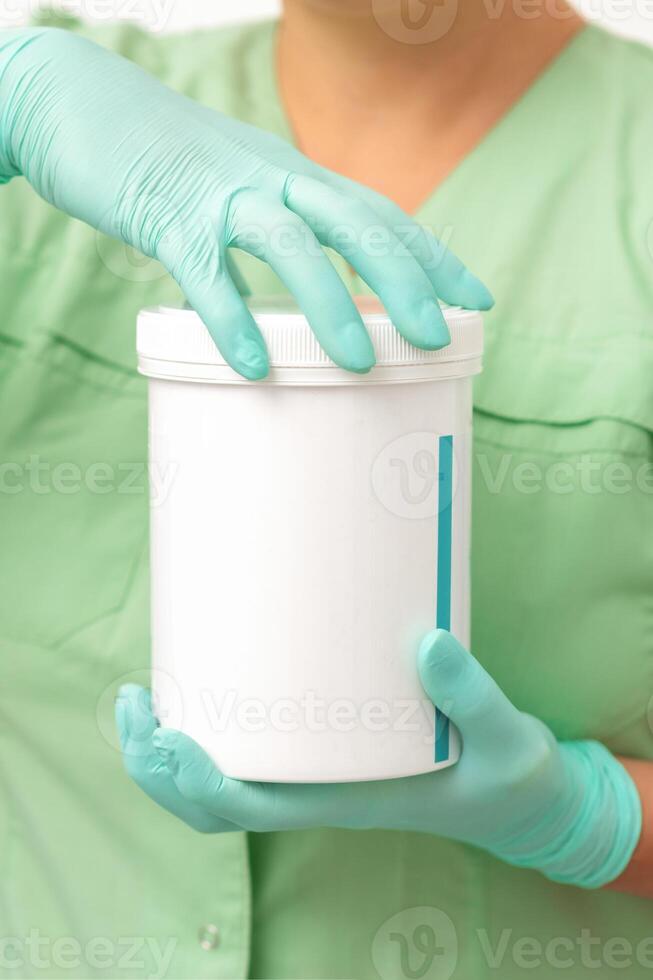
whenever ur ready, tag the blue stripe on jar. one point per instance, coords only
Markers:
(443, 597)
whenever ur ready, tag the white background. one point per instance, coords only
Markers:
(633, 18)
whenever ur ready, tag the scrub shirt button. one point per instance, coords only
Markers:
(209, 937)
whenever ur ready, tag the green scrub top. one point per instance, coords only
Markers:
(554, 209)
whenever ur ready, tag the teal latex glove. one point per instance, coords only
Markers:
(107, 143)
(567, 809)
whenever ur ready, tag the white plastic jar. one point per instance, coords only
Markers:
(306, 532)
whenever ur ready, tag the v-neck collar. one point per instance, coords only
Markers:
(273, 116)
(498, 132)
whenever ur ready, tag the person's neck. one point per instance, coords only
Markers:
(359, 99)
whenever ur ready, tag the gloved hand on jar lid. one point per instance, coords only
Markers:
(102, 140)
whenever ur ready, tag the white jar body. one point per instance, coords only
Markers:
(304, 539)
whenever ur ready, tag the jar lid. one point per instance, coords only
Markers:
(172, 342)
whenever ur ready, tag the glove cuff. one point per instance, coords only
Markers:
(588, 837)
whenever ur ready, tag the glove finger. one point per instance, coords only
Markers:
(135, 720)
(354, 229)
(196, 261)
(272, 806)
(200, 781)
(276, 235)
(136, 725)
(450, 278)
(460, 687)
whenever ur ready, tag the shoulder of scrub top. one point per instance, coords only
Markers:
(210, 65)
